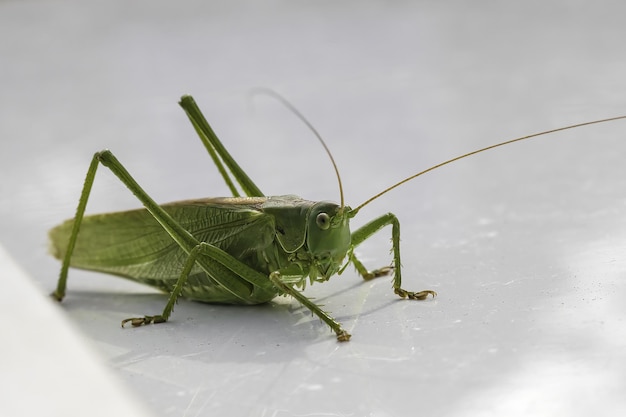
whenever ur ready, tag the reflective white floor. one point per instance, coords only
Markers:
(525, 245)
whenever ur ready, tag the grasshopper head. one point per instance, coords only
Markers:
(328, 237)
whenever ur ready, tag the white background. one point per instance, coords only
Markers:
(525, 245)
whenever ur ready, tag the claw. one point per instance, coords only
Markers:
(381, 272)
(418, 295)
(56, 296)
(140, 321)
(343, 336)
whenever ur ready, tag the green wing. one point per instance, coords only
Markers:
(133, 244)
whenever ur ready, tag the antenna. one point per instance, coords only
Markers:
(508, 142)
(291, 108)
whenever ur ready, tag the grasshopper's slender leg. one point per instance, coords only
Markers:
(364, 232)
(218, 152)
(364, 272)
(59, 293)
(180, 235)
(212, 264)
(178, 288)
(106, 158)
(342, 335)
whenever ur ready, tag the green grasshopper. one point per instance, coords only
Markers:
(230, 250)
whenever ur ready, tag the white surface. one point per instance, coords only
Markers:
(47, 370)
(525, 245)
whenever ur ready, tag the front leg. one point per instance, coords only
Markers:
(363, 233)
(365, 273)
(278, 280)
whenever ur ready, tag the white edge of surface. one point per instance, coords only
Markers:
(47, 369)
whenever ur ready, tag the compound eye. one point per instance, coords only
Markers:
(323, 221)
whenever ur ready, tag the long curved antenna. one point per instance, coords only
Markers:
(291, 108)
(354, 211)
